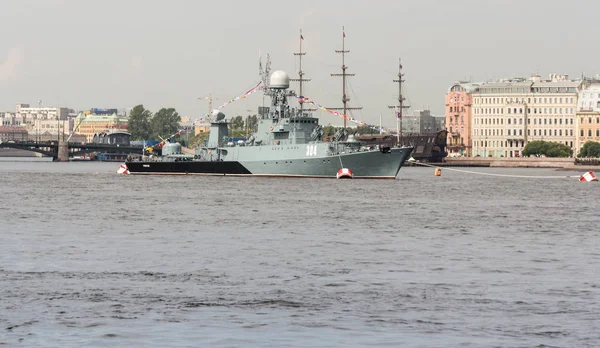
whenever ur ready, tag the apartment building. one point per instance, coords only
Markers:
(459, 115)
(588, 116)
(509, 113)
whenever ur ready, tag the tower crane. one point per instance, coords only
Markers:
(210, 99)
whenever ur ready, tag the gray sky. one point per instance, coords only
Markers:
(110, 53)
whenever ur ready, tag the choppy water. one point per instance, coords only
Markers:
(92, 259)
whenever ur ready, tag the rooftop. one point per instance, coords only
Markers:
(8, 129)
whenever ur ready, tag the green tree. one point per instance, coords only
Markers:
(547, 148)
(366, 130)
(590, 149)
(251, 123)
(139, 123)
(165, 123)
(329, 130)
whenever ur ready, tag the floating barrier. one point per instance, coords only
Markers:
(587, 177)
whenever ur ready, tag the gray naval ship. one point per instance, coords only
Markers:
(288, 142)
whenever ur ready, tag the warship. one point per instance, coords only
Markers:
(288, 142)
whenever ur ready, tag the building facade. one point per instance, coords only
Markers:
(48, 130)
(89, 124)
(588, 116)
(459, 116)
(10, 133)
(421, 122)
(509, 113)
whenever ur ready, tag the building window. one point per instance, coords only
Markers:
(582, 132)
(589, 132)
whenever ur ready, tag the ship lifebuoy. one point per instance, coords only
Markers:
(271, 128)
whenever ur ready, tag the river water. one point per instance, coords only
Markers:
(89, 258)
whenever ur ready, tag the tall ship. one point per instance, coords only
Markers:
(288, 142)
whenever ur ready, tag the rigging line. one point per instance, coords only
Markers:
(341, 164)
(354, 95)
(503, 175)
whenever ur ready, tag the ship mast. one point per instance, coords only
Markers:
(344, 74)
(300, 78)
(400, 105)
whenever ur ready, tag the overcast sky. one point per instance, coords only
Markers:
(119, 53)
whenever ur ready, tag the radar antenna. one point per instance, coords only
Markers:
(265, 71)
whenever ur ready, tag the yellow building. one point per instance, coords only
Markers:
(588, 124)
(588, 116)
(88, 124)
(201, 127)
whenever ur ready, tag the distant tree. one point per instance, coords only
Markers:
(237, 123)
(329, 130)
(165, 123)
(251, 123)
(547, 148)
(366, 130)
(139, 123)
(590, 149)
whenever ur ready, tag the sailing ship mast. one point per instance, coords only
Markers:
(301, 78)
(344, 74)
(400, 105)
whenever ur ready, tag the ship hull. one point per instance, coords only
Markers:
(367, 165)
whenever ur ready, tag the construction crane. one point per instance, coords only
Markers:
(210, 99)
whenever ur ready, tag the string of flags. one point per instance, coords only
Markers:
(252, 90)
(333, 112)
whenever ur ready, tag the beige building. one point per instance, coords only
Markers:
(509, 113)
(46, 130)
(201, 127)
(88, 124)
(588, 116)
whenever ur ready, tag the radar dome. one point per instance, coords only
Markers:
(279, 80)
(218, 115)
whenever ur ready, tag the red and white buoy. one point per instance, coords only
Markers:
(587, 177)
(344, 173)
(123, 169)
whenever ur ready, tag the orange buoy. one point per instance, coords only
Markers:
(438, 171)
(344, 173)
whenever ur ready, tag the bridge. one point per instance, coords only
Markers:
(62, 151)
